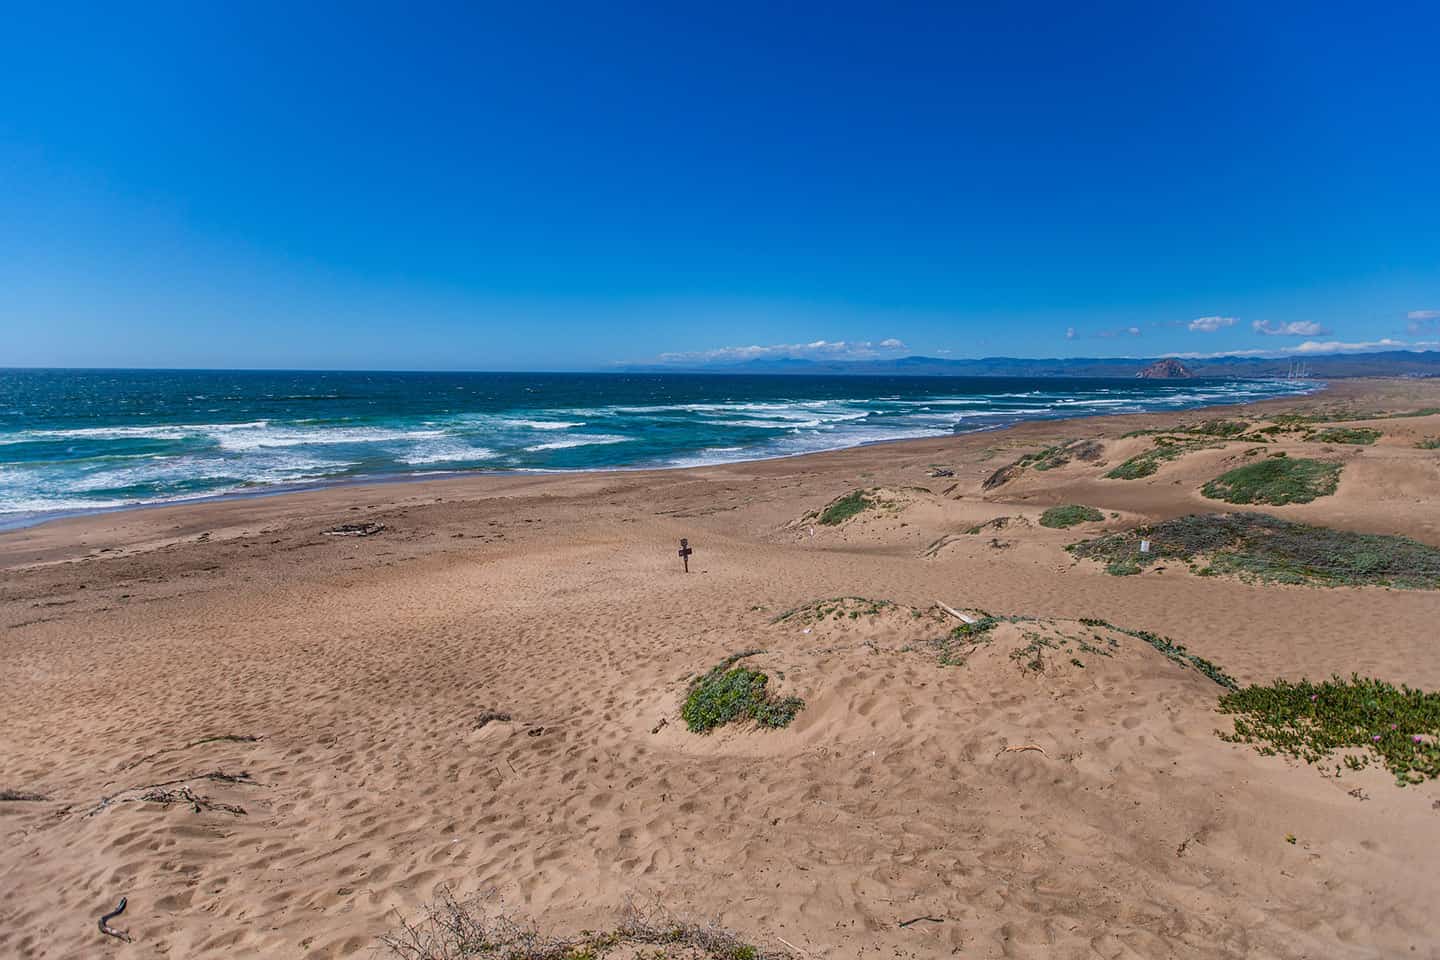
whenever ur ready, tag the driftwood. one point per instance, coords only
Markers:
(21, 796)
(157, 793)
(906, 923)
(195, 800)
(1022, 747)
(368, 529)
(955, 613)
(110, 931)
(490, 716)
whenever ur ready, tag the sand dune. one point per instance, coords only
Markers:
(332, 688)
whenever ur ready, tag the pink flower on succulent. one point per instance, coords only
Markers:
(1376, 737)
(1417, 739)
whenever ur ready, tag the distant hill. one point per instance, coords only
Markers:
(1391, 363)
(1167, 369)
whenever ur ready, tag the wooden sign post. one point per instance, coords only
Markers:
(685, 552)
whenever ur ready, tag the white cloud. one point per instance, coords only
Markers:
(1296, 328)
(1336, 346)
(815, 349)
(1317, 347)
(1210, 324)
(1423, 320)
(1069, 333)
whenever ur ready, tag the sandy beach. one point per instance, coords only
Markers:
(326, 697)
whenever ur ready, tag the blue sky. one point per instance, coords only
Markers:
(491, 187)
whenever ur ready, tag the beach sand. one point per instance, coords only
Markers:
(344, 677)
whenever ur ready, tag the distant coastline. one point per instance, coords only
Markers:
(1392, 363)
(90, 441)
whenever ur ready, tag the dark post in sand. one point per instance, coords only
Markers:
(685, 552)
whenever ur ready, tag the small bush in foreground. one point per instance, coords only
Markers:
(1311, 722)
(1363, 436)
(1429, 443)
(842, 509)
(1275, 480)
(1269, 549)
(455, 930)
(729, 693)
(1069, 515)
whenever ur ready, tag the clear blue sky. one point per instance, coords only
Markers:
(543, 186)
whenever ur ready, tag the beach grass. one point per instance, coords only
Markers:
(843, 508)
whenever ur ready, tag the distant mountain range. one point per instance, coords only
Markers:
(1391, 363)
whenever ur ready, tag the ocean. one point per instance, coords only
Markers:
(82, 440)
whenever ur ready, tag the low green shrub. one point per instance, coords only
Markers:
(1275, 480)
(729, 693)
(1309, 721)
(843, 508)
(1362, 436)
(1069, 515)
(1429, 443)
(1261, 547)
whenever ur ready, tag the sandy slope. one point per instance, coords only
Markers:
(361, 666)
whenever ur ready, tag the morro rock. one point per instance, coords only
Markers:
(1167, 369)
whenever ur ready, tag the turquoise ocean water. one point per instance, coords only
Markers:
(76, 440)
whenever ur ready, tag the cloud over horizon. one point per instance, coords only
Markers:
(1210, 324)
(816, 349)
(1296, 328)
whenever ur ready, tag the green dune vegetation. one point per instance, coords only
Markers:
(843, 508)
(1049, 458)
(1264, 548)
(729, 693)
(1069, 515)
(1367, 719)
(1276, 480)
(1363, 436)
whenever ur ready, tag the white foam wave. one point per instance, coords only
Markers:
(584, 441)
(446, 453)
(544, 424)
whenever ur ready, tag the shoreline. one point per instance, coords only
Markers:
(31, 521)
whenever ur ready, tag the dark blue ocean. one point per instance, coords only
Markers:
(83, 439)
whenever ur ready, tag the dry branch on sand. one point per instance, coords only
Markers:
(355, 530)
(20, 796)
(105, 919)
(157, 793)
(470, 930)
